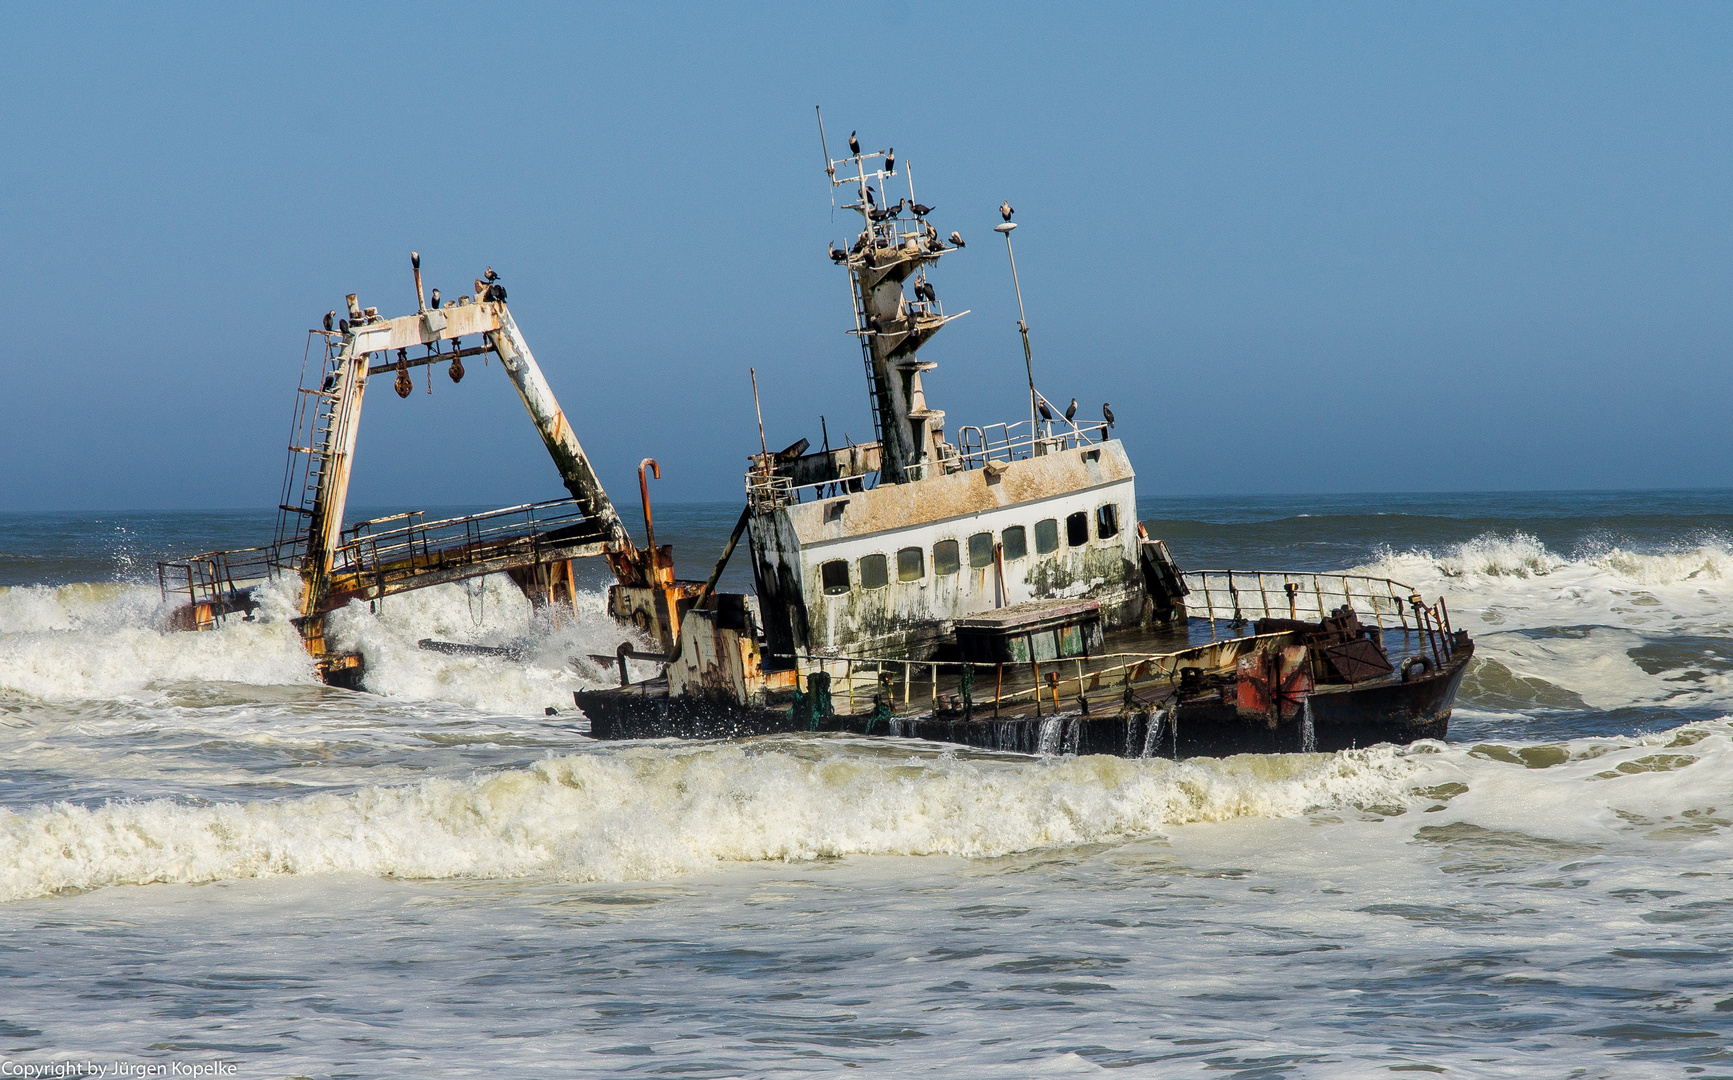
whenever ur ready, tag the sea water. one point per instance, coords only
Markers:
(208, 859)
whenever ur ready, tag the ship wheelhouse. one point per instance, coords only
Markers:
(877, 549)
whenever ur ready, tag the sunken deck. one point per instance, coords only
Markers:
(1166, 693)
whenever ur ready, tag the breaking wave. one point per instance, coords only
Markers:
(105, 642)
(658, 812)
(1520, 555)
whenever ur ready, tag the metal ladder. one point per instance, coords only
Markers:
(866, 349)
(315, 414)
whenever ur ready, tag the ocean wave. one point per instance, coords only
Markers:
(658, 812)
(1520, 555)
(107, 641)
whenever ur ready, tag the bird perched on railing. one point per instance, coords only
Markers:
(330, 320)
(1005, 210)
(1107, 413)
(920, 209)
(1071, 411)
(957, 240)
(853, 144)
(924, 291)
(837, 254)
(1046, 413)
(891, 161)
(436, 299)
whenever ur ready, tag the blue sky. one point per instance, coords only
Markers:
(1298, 247)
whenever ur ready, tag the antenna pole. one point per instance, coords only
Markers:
(760, 413)
(828, 167)
(1022, 328)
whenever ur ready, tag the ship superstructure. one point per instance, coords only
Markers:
(879, 548)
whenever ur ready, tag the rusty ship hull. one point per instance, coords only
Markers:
(1390, 711)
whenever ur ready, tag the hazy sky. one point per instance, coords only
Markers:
(1298, 247)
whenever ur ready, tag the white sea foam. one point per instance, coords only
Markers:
(88, 642)
(80, 642)
(658, 812)
(1577, 622)
(654, 812)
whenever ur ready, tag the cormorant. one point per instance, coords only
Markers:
(870, 200)
(920, 209)
(489, 274)
(1046, 413)
(1071, 410)
(853, 144)
(1005, 210)
(837, 254)
(891, 161)
(330, 320)
(957, 240)
(436, 299)
(1107, 414)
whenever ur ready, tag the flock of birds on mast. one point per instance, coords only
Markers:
(924, 288)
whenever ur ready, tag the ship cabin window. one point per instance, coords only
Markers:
(1047, 536)
(911, 564)
(834, 574)
(1077, 529)
(945, 559)
(1106, 521)
(1015, 541)
(873, 572)
(980, 550)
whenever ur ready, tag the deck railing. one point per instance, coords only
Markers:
(1244, 595)
(976, 446)
(1054, 680)
(460, 541)
(215, 577)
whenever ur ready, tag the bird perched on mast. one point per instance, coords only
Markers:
(1107, 413)
(891, 161)
(330, 320)
(436, 299)
(921, 210)
(837, 254)
(957, 240)
(1005, 210)
(853, 144)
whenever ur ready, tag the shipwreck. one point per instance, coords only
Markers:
(990, 584)
(981, 584)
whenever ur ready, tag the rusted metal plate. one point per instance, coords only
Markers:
(463, 320)
(1358, 660)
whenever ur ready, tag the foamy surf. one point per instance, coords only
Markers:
(105, 642)
(1604, 629)
(659, 812)
(656, 812)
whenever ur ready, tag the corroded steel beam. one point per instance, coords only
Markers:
(562, 443)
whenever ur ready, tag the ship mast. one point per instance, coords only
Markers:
(893, 246)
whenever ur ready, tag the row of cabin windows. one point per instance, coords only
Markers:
(875, 570)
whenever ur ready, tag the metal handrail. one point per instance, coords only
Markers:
(1018, 441)
(1243, 595)
(213, 575)
(454, 540)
